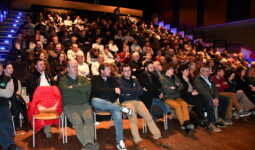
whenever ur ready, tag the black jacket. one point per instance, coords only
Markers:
(34, 81)
(152, 86)
(104, 89)
(130, 89)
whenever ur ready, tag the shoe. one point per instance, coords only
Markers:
(14, 147)
(88, 146)
(121, 145)
(140, 146)
(188, 131)
(244, 113)
(214, 128)
(225, 122)
(128, 111)
(188, 125)
(220, 125)
(160, 142)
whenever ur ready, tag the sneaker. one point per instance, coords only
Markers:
(162, 143)
(140, 146)
(214, 128)
(220, 125)
(188, 125)
(188, 131)
(225, 122)
(128, 111)
(244, 113)
(121, 145)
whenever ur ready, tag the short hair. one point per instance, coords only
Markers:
(37, 60)
(102, 67)
(69, 62)
(147, 63)
(169, 66)
(123, 66)
(203, 67)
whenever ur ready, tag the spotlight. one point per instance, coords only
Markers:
(20, 13)
(6, 41)
(12, 30)
(2, 48)
(16, 21)
(18, 17)
(14, 25)
(9, 35)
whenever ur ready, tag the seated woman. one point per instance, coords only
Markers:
(58, 68)
(244, 83)
(221, 85)
(242, 98)
(172, 88)
(191, 95)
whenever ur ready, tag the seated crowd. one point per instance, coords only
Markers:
(127, 67)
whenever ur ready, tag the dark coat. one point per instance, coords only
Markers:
(152, 86)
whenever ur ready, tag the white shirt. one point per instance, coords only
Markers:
(94, 68)
(113, 48)
(43, 80)
(68, 22)
(108, 57)
(83, 69)
(100, 46)
(71, 55)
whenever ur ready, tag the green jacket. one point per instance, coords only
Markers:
(171, 87)
(74, 92)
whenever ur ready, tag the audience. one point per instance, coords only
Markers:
(90, 42)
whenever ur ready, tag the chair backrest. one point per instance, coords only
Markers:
(47, 98)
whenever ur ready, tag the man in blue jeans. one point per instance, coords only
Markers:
(105, 92)
(6, 130)
(152, 94)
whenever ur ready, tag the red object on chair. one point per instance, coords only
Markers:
(48, 97)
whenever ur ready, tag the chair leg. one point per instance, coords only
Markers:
(20, 120)
(33, 132)
(165, 121)
(65, 121)
(216, 112)
(95, 128)
(144, 126)
(62, 128)
(13, 126)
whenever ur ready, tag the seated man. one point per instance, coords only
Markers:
(204, 85)
(130, 92)
(75, 95)
(105, 92)
(6, 131)
(40, 77)
(152, 94)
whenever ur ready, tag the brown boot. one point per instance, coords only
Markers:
(140, 146)
(162, 143)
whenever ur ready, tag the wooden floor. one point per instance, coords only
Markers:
(240, 136)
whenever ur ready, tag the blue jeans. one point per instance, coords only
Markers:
(101, 105)
(6, 130)
(165, 109)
